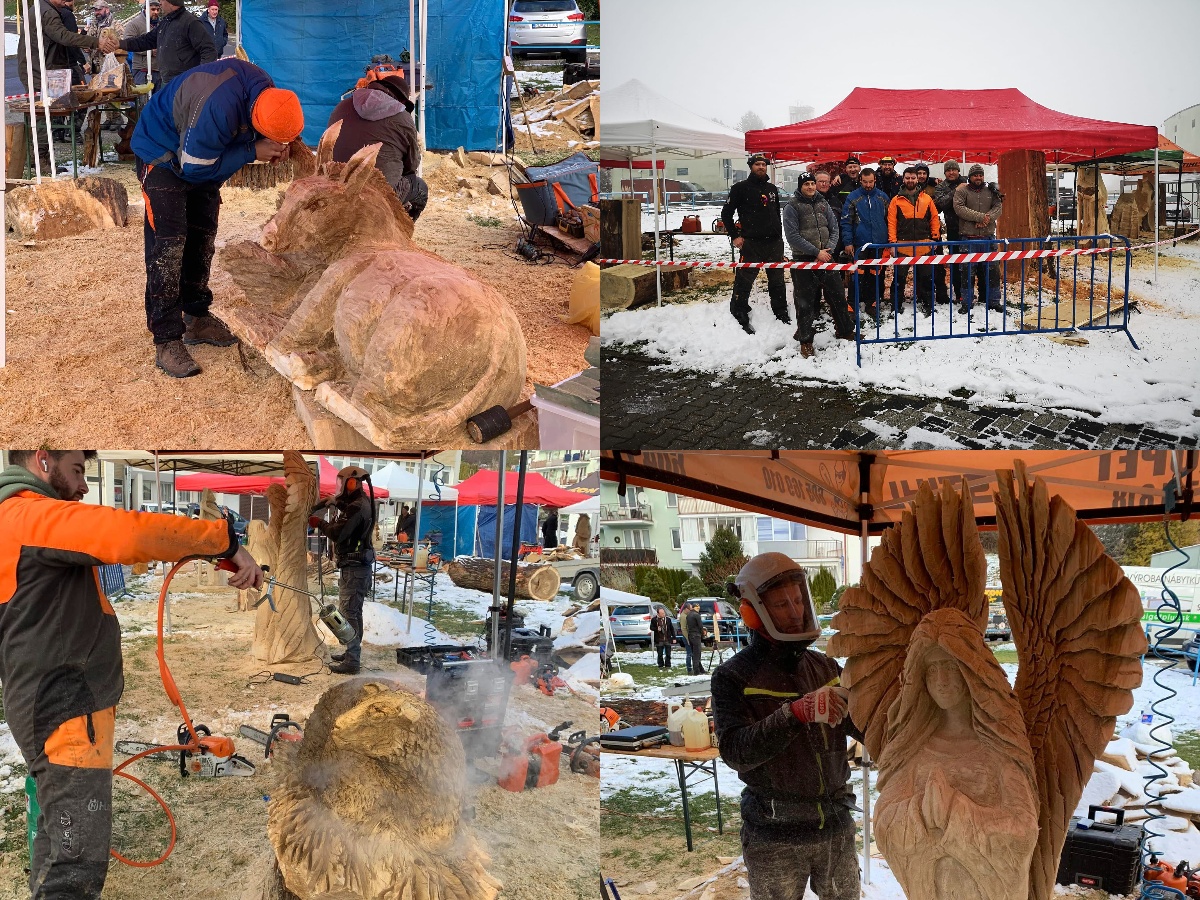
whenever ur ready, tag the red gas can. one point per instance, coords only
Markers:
(535, 764)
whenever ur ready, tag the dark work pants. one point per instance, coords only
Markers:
(73, 773)
(806, 283)
(922, 284)
(180, 234)
(417, 197)
(697, 648)
(664, 655)
(781, 870)
(870, 287)
(987, 277)
(353, 583)
(759, 250)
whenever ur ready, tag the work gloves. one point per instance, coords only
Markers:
(826, 705)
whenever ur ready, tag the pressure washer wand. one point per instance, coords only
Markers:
(328, 613)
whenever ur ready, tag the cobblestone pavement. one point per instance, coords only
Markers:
(647, 406)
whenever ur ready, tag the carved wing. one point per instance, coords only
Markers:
(931, 560)
(1075, 619)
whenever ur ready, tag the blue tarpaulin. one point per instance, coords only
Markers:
(320, 50)
(485, 541)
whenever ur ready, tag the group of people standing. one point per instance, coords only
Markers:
(691, 629)
(828, 218)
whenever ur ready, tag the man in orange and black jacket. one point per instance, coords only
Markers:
(60, 647)
(912, 216)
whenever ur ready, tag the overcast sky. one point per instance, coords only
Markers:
(1120, 61)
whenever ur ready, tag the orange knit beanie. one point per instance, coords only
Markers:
(277, 115)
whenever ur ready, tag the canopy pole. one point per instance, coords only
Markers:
(497, 544)
(1174, 231)
(1156, 212)
(412, 56)
(237, 24)
(424, 67)
(237, 14)
(654, 179)
(37, 150)
(46, 99)
(412, 582)
(1057, 202)
(864, 499)
(4, 243)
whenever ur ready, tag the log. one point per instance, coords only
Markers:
(111, 194)
(54, 209)
(1022, 176)
(630, 285)
(533, 582)
(14, 147)
(621, 228)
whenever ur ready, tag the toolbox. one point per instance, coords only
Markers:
(472, 695)
(639, 737)
(419, 659)
(1102, 855)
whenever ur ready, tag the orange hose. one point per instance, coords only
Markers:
(173, 694)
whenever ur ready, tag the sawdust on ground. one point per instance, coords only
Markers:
(81, 362)
(542, 842)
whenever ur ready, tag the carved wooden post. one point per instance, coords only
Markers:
(1022, 175)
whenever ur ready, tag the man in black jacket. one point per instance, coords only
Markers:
(812, 231)
(350, 531)
(181, 39)
(781, 724)
(663, 632)
(943, 198)
(756, 202)
(695, 638)
(887, 179)
(847, 182)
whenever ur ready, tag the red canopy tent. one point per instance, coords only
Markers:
(480, 490)
(939, 125)
(258, 484)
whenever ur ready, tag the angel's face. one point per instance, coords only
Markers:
(945, 683)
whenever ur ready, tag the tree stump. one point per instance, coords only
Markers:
(1022, 176)
(621, 228)
(54, 209)
(111, 194)
(533, 582)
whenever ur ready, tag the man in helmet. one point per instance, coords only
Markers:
(782, 726)
(350, 530)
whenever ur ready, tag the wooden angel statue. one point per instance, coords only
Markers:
(977, 780)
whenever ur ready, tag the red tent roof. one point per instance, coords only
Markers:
(938, 125)
(258, 484)
(480, 489)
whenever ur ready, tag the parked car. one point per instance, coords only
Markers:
(1178, 209)
(997, 628)
(729, 620)
(547, 23)
(630, 623)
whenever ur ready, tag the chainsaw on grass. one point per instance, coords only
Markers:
(213, 758)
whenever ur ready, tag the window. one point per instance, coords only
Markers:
(675, 545)
(147, 491)
(638, 539)
(681, 171)
(672, 501)
(733, 523)
(778, 530)
(693, 530)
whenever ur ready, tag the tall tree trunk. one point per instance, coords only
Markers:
(1022, 175)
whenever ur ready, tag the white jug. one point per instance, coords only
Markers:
(695, 729)
(675, 714)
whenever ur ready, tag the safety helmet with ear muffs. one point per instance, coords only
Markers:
(352, 478)
(775, 599)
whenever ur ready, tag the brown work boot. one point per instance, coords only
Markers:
(806, 350)
(207, 330)
(174, 359)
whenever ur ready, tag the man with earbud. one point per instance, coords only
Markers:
(60, 647)
(782, 725)
(350, 530)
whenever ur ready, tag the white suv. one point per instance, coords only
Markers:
(553, 27)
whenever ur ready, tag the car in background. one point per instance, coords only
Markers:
(727, 618)
(1178, 209)
(629, 622)
(997, 628)
(542, 27)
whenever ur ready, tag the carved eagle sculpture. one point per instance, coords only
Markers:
(1075, 620)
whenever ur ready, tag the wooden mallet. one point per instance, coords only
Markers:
(491, 423)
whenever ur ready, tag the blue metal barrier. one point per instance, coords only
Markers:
(962, 278)
(112, 580)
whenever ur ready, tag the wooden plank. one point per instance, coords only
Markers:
(594, 106)
(575, 245)
(629, 285)
(621, 228)
(326, 431)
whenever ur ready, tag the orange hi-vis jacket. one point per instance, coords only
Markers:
(60, 643)
(906, 223)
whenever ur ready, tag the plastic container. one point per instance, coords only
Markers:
(675, 722)
(560, 428)
(695, 729)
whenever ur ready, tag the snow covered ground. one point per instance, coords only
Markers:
(1108, 379)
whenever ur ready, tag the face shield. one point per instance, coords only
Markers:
(777, 590)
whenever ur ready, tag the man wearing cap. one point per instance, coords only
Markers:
(911, 216)
(381, 113)
(943, 198)
(756, 202)
(191, 137)
(887, 179)
(782, 725)
(864, 221)
(812, 232)
(181, 39)
(136, 27)
(847, 182)
(214, 24)
(978, 206)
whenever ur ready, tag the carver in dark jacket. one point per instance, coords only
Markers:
(694, 629)
(60, 647)
(662, 629)
(193, 135)
(756, 202)
(812, 232)
(781, 724)
(181, 40)
(943, 198)
(381, 113)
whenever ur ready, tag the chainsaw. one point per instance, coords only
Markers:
(214, 757)
(282, 729)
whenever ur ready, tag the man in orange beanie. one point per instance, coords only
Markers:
(192, 136)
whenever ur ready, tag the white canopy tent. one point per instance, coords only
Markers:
(638, 121)
(589, 506)
(404, 485)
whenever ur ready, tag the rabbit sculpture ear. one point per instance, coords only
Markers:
(361, 168)
(328, 140)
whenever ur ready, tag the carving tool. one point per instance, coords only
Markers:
(491, 423)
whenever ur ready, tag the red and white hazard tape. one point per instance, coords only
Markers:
(933, 260)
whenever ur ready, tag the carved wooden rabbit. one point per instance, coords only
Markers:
(398, 342)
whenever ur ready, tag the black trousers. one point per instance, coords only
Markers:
(697, 646)
(759, 250)
(180, 237)
(354, 581)
(664, 655)
(824, 860)
(806, 284)
(922, 284)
